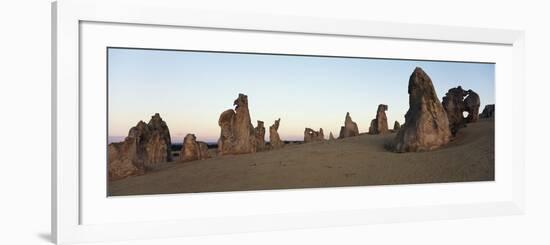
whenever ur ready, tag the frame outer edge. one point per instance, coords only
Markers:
(65, 118)
(518, 192)
(53, 133)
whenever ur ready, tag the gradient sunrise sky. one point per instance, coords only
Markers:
(191, 89)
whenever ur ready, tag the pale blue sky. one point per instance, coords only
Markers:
(191, 89)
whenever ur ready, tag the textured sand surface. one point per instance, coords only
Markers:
(355, 161)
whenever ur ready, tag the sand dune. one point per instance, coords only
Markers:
(355, 161)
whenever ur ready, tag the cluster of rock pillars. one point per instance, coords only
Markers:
(429, 124)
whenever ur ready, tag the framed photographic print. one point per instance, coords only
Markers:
(171, 122)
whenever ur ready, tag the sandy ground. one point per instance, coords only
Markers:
(355, 161)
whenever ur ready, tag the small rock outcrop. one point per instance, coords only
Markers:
(457, 101)
(379, 125)
(488, 111)
(274, 139)
(311, 135)
(146, 145)
(349, 129)
(259, 132)
(331, 137)
(426, 125)
(396, 126)
(193, 150)
(237, 133)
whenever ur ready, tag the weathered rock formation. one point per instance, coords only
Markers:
(159, 145)
(311, 135)
(123, 160)
(457, 101)
(396, 126)
(349, 129)
(237, 133)
(259, 133)
(146, 145)
(193, 150)
(472, 103)
(274, 139)
(379, 125)
(331, 137)
(488, 111)
(426, 125)
(453, 102)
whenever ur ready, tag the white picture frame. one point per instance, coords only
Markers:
(68, 197)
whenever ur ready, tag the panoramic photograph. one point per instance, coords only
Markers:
(182, 121)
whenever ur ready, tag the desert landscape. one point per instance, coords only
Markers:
(440, 141)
